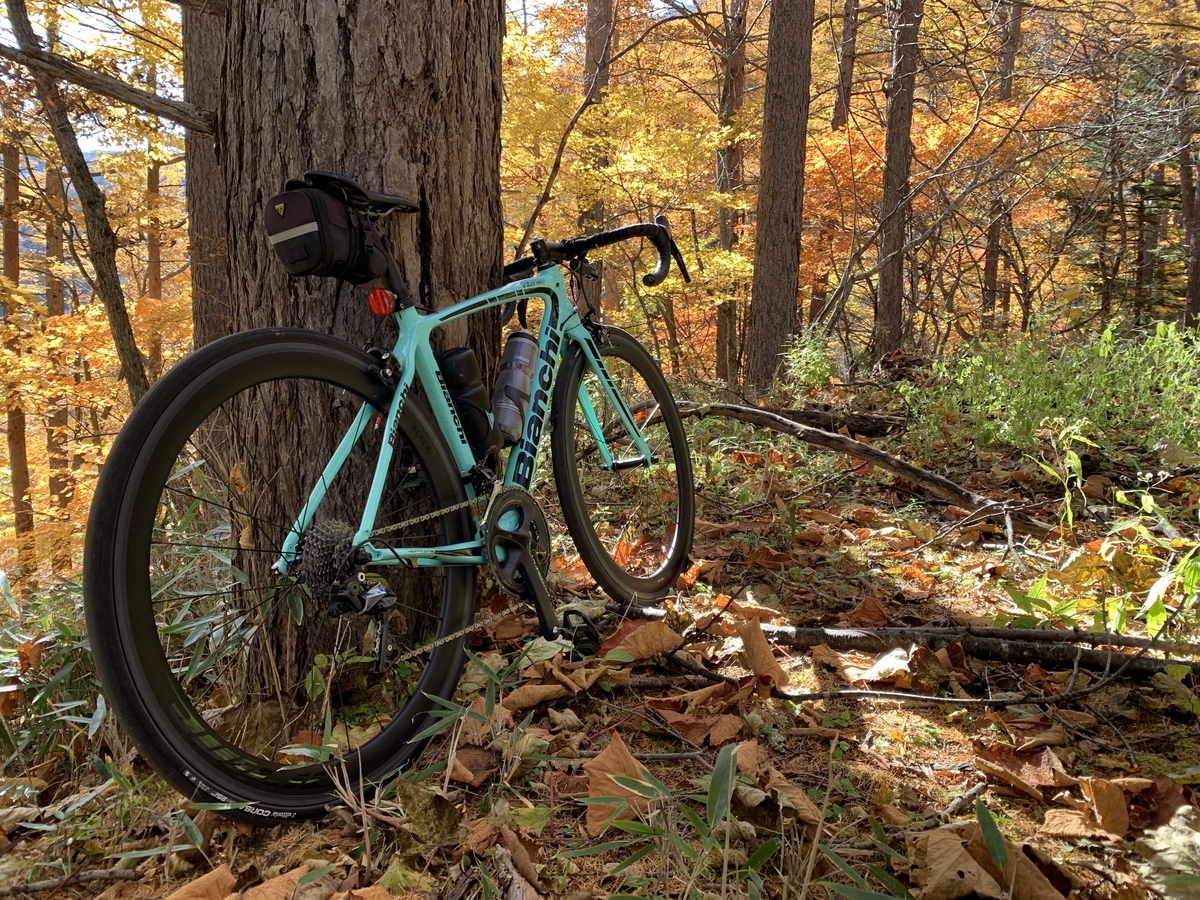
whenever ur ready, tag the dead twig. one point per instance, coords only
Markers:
(53, 884)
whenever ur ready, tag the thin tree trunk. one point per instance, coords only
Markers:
(18, 457)
(732, 51)
(895, 203)
(846, 55)
(1149, 234)
(1188, 187)
(102, 241)
(60, 485)
(781, 190)
(599, 34)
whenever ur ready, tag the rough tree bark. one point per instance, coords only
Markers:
(781, 190)
(203, 50)
(102, 242)
(402, 97)
(732, 52)
(847, 49)
(895, 202)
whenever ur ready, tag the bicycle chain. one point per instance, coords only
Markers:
(462, 632)
(429, 517)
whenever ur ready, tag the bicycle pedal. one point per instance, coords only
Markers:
(583, 635)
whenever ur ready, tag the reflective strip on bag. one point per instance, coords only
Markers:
(292, 233)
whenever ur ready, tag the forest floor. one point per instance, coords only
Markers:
(876, 794)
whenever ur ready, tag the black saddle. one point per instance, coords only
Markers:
(373, 202)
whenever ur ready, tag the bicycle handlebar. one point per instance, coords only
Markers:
(549, 252)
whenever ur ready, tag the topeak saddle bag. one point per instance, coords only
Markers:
(316, 233)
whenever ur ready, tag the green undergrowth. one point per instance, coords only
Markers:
(1133, 392)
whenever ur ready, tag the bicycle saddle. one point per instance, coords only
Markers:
(355, 195)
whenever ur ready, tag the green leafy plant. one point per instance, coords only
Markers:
(656, 830)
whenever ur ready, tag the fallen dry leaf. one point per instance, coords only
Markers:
(481, 835)
(520, 857)
(615, 759)
(750, 757)
(1054, 736)
(793, 796)
(1021, 875)
(530, 695)
(870, 613)
(760, 655)
(473, 765)
(649, 640)
(281, 887)
(1028, 772)
(717, 730)
(374, 892)
(477, 732)
(1070, 823)
(1108, 805)
(216, 885)
(943, 868)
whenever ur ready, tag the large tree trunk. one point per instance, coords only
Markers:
(405, 99)
(847, 50)
(408, 102)
(732, 51)
(781, 190)
(895, 202)
(18, 457)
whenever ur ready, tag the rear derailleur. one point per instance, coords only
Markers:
(364, 595)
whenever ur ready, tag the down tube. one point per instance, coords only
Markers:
(595, 361)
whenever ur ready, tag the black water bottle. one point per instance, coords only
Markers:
(460, 369)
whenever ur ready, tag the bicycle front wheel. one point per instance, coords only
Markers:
(242, 685)
(632, 520)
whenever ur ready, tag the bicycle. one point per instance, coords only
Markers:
(268, 617)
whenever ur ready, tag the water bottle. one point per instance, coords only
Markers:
(460, 369)
(510, 396)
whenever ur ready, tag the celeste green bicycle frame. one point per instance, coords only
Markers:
(413, 360)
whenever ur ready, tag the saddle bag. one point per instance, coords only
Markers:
(316, 233)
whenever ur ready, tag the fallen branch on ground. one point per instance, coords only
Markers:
(54, 884)
(932, 483)
(866, 424)
(1000, 649)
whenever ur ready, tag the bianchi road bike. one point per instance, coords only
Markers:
(282, 551)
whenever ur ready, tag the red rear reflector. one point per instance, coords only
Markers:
(382, 301)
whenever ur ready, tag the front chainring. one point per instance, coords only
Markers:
(517, 499)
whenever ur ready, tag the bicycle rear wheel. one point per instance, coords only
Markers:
(632, 525)
(235, 682)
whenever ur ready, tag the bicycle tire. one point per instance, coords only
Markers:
(187, 516)
(633, 528)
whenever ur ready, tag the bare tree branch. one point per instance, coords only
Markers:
(199, 120)
(102, 241)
